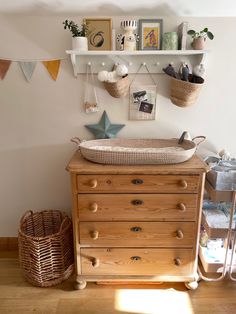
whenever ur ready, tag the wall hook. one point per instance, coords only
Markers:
(103, 64)
(144, 64)
(89, 64)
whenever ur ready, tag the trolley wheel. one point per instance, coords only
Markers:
(80, 285)
(193, 285)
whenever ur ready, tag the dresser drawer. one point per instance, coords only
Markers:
(138, 261)
(179, 234)
(129, 207)
(137, 183)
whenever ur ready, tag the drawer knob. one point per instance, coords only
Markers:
(93, 207)
(136, 229)
(181, 207)
(179, 234)
(177, 261)
(183, 184)
(95, 262)
(135, 258)
(137, 202)
(94, 235)
(137, 181)
(93, 183)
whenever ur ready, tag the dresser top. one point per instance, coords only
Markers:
(80, 165)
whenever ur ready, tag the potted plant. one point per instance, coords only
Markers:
(199, 38)
(79, 39)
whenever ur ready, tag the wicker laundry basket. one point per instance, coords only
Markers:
(46, 247)
(118, 89)
(184, 93)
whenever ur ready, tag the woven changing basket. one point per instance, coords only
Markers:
(184, 93)
(137, 151)
(118, 89)
(46, 247)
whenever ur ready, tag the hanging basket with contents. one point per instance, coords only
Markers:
(185, 87)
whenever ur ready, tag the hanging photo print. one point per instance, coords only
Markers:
(142, 102)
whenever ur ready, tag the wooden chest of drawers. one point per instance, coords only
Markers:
(136, 223)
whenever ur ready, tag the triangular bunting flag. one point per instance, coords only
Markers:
(52, 67)
(27, 68)
(4, 66)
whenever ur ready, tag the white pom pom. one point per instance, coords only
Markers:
(103, 76)
(121, 70)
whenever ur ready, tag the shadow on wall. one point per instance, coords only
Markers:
(33, 178)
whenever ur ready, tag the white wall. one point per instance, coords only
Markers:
(37, 119)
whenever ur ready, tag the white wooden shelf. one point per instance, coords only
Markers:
(155, 60)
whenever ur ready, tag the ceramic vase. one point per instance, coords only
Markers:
(128, 40)
(80, 43)
(198, 43)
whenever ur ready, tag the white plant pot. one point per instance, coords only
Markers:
(80, 43)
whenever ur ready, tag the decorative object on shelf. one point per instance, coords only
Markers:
(99, 33)
(52, 67)
(90, 95)
(128, 40)
(184, 72)
(150, 34)
(182, 34)
(199, 38)
(115, 82)
(104, 129)
(170, 70)
(4, 67)
(170, 41)
(27, 68)
(199, 70)
(79, 39)
(142, 103)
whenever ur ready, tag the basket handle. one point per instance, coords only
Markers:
(76, 140)
(201, 137)
(63, 224)
(26, 214)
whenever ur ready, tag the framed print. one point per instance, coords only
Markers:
(142, 102)
(150, 33)
(99, 33)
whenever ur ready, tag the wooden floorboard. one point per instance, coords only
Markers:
(17, 296)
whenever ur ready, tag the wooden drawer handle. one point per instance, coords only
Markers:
(183, 184)
(179, 234)
(177, 261)
(93, 183)
(95, 262)
(137, 181)
(136, 229)
(135, 258)
(137, 202)
(93, 207)
(181, 207)
(94, 235)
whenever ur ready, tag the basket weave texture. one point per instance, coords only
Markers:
(118, 89)
(132, 157)
(183, 94)
(46, 247)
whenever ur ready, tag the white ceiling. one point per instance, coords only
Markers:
(207, 8)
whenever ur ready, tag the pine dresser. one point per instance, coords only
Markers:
(136, 222)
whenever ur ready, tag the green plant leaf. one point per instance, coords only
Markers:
(210, 35)
(191, 32)
(205, 30)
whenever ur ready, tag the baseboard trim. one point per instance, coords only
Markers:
(8, 243)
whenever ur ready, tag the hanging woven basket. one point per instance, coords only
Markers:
(184, 94)
(118, 89)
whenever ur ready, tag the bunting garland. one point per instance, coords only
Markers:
(4, 67)
(28, 67)
(52, 67)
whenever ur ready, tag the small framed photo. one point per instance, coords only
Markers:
(150, 34)
(142, 103)
(99, 33)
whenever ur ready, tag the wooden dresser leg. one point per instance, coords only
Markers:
(80, 284)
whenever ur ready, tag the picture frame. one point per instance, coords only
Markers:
(150, 34)
(142, 102)
(99, 33)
